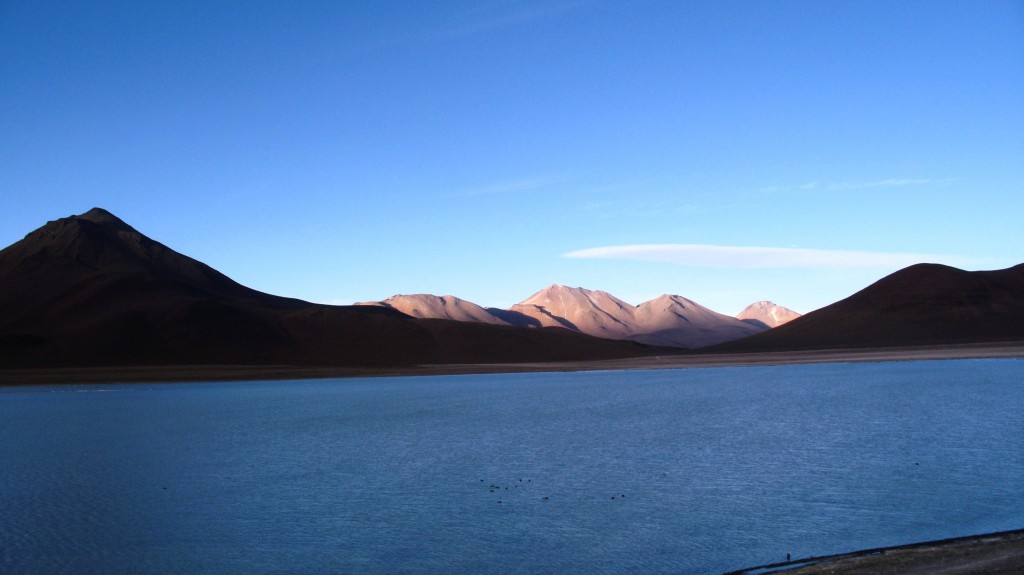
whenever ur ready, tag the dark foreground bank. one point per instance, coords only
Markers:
(180, 373)
(990, 554)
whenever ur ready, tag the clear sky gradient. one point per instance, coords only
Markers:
(344, 151)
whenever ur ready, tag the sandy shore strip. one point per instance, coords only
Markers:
(990, 554)
(184, 373)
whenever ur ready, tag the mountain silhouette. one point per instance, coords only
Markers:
(90, 290)
(924, 304)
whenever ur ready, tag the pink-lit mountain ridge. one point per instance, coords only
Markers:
(669, 320)
(768, 313)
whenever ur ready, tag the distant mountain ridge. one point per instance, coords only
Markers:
(924, 304)
(596, 312)
(768, 313)
(90, 290)
(424, 306)
(669, 320)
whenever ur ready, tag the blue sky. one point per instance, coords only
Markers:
(345, 151)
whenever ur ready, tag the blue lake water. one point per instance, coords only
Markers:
(675, 471)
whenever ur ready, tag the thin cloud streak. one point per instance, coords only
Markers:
(888, 183)
(762, 257)
(518, 186)
(839, 186)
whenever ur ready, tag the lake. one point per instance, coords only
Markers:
(669, 471)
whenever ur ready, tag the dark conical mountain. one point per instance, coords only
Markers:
(91, 290)
(64, 266)
(924, 304)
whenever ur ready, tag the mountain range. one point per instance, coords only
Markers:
(669, 320)
(90, 290)
(924, 304)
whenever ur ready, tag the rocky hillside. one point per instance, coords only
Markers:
(924, 304)
(89, 290)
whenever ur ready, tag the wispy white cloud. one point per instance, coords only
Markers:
(620, 210)
(887, 183)
(840, 186)
(762, 257)
(513, 187)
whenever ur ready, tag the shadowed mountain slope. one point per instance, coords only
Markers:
(426, 306)
(924, 304)
(91, 290)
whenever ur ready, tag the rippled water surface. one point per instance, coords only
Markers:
(681, 471)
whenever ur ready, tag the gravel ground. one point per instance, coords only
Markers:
(992, 554)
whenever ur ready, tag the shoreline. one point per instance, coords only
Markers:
(988, 553)
(16, 377)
